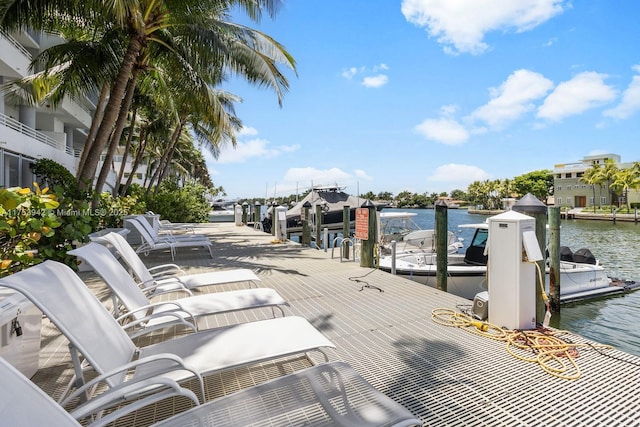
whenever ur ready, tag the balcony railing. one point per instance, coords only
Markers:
(16, 44)
(38, 136)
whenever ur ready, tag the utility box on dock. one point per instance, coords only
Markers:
(511, 278)
(280, 223)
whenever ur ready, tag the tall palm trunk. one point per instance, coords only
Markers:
(88, 171)
(174, 140)
(95, 123)
(136, 161)
(167, 165)
(117, 134)
(127, 147)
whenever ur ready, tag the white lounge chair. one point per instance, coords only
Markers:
(166, 226)
(307, 396)
(156, 232)
(151, 244)
(60, 294)
(143, 316)
(163, 278)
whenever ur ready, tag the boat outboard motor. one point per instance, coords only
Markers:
(584, 256)
(566, 254)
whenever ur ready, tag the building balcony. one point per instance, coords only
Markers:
(15, 59)
(19, 138)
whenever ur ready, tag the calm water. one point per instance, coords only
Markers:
(614, 320)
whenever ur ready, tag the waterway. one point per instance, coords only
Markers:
(613, 320)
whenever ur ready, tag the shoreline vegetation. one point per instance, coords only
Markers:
(585, 213)
(575, 214)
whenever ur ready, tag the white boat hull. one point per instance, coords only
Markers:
(577, 281)
(221, 216)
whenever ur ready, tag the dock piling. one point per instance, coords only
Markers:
(442, 233)
(346, 228)
(554, 259)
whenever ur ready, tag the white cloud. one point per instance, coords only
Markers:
(244, 150)
(444, 130)
(375, 81)
(585, 91)
(457, 176)
(513, 98)
(247, 131)
(360, 174)
(371, 75)
(461, 25)
(251, 149)
(448, 110)
(630, 100)
(317, 176)
(289, 148)
(349, 72)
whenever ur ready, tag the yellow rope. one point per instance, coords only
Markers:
(544, 347)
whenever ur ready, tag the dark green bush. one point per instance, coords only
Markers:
(179, 204)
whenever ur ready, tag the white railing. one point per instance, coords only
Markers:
(14, 124)
(16, 44)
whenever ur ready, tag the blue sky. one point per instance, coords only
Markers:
(431, 95)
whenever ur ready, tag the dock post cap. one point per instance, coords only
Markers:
(529, 203)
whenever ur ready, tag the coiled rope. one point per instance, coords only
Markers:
(554, 355)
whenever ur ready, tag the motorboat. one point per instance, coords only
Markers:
(332, 199)
(401, 228)
(221, 211)
(581, 275)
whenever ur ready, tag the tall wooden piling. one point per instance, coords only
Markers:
(318, 225)
(368, 245)
(306, 232)
(245, 205)
(346, 229)
(554, 259)
(442, 232)
(273, 218)
(256, 213)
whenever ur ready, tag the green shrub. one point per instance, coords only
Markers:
(111, 211)
(179, 204)
(27, 221)
(58, 178)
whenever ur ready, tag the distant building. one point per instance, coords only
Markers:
(570, 191)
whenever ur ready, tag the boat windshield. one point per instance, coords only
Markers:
(396, 227)
(480, 238)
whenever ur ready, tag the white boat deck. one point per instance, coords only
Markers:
(382, 326)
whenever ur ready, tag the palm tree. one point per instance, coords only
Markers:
(195, 31)
(592, 176)
(608, 173)
(626, 179)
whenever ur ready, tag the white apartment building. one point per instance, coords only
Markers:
(28, 133)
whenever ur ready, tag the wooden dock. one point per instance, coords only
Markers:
(382, 325)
